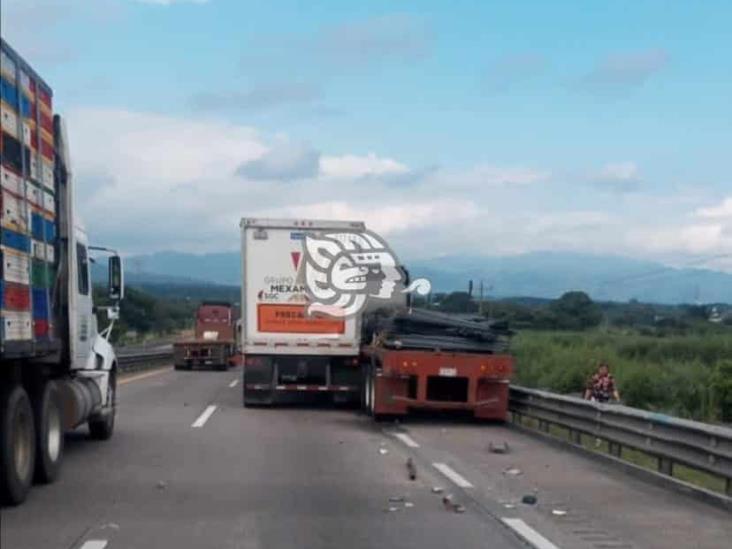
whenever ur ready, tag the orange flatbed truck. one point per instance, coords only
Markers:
(214, 343)
(424, 372)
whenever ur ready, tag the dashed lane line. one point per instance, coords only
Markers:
(94, 544)
(203, 418)
(453, 475)
(531, 536)
(406, 439)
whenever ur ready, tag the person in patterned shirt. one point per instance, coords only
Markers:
(601, 386)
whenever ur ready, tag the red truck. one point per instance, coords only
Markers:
(214, 342)
(420, 359)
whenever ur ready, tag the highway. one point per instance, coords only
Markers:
(189, 467)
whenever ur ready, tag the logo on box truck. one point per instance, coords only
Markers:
(344, 270)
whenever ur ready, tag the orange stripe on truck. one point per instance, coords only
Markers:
(293, 319)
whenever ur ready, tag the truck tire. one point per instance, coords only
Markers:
(17, 445)
(49, 433)
(102, 428)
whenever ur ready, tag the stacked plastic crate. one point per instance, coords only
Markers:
(28, 212)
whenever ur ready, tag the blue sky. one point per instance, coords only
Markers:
(470, 127)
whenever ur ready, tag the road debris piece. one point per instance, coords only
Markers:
(459, 508)
(529, 499)
(498, 448)
(408, 504)
(513, 472)
(559, 512)
(396, 499)
(437, 489)
(391, 509)
(161, 485)
(383, 451)
(509, 506)
(411, 469)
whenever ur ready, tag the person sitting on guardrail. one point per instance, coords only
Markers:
(601, 386)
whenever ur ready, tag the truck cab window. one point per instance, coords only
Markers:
(82, 261)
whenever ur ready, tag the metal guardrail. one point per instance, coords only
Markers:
(135, 361)
(671, 441)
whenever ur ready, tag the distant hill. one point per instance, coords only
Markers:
(536, 274)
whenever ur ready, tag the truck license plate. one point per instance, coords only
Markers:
(448, 372)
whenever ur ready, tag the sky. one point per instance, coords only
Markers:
(452, 128)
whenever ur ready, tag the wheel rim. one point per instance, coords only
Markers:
(54, 434)
(23, 444)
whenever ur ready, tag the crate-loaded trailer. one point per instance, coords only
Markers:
(57, 369)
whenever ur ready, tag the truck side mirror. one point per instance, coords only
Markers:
(116, 278)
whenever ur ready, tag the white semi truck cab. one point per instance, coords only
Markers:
(57, 369)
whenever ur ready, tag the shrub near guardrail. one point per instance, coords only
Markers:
(684, 375)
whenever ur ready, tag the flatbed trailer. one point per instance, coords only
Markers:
(213, 344)
(399, 381)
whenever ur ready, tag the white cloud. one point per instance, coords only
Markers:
(617, 176)
(723, 210)
(286, 161)
(148, 182)
(627, 69)
(353, 166)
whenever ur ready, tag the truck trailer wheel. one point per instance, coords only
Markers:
(102, 428)
(49, 433)
(17, 445)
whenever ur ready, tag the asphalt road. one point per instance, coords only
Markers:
(188, 467)
(264, 478)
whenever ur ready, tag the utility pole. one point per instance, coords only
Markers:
(480, 303)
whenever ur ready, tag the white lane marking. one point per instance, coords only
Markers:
(406, 439)
(94, 544)
(203, 418)
(233, 383)
(534, 538)
(454, 476)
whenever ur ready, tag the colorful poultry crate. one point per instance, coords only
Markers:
(28, 221)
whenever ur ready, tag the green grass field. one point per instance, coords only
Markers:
(684, 375)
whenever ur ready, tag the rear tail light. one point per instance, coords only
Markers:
(253, 361)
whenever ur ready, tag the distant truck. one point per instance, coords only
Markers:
(286, 352)
(57, 370)
(214, 343)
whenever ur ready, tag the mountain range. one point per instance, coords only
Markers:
(535, 274)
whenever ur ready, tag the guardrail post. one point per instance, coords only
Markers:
(665, 466)
(575, 436)
(614, 449)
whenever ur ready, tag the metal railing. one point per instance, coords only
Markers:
(671, 441)
(137, 361)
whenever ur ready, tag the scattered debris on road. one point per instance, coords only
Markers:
(498, 448)
(437, 489)
(513, 472)
(391, 509)
(411, 469)
(450, 504)
(383, 451)
(161, 485)
(396, 499)
(559, 512)
(408, 504)
(529, 499)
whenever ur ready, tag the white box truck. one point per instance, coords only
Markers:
(57, 369)
(286, 352)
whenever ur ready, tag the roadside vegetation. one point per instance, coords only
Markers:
(671, 359)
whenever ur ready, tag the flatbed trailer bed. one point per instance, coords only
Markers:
(397, 381)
